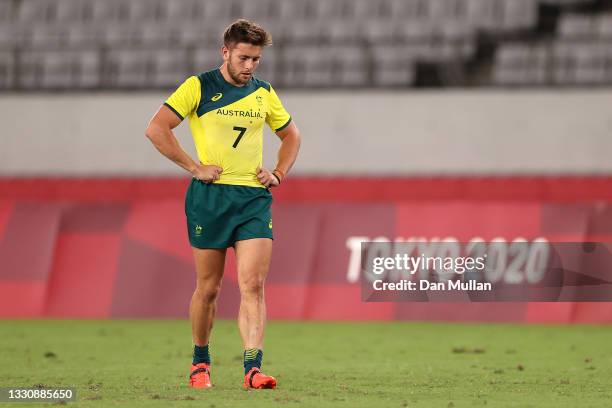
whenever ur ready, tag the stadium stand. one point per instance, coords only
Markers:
(113, 44)
(580, 53)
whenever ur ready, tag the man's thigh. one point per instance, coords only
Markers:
(209, 265)
(253, 260)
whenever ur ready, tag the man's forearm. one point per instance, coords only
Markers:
(287, 153)
(167, 144)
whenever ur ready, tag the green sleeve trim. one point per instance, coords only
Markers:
(174, 110)
(284, 126)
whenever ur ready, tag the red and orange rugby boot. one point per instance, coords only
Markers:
(200, 376)
(256, 379)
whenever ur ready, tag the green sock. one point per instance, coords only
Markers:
(252, 358)
(201, 354)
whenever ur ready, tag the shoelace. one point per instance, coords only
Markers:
(198, 371)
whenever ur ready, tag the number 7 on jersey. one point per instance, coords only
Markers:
(242, 132)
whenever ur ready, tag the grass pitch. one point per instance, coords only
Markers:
(144, 363)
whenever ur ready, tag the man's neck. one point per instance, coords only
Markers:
(227, 77)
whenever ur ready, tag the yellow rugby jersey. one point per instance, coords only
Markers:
(227, 122)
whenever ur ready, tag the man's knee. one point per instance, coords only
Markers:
(252, 287)
(207, 294)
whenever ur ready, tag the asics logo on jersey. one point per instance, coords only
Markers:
(216, 97)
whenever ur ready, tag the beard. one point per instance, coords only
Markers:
(236, 75)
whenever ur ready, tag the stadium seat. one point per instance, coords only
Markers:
(415, 31)
(480, 13)
(57, 68)
(392, 67)
(565, 2)
(7, 12)
(396, 77)
(303, 32)
(7, 67)
(519, 14)
(410, 10)
(581, 63)
(120, 34)
(206, 58)
(196, 35)
(220, 10)
(604, 27)
(329, 10)
(308, 66)
(88, 69)
(349, 64)
(590, 64)
(169, 68)
(441, 51)
(84, 35)
(142, 10)
(66, 69)
(107, 11)
(512, 55)
(30, 70)
(519, 64)
(440, 10)
(504, 15)
(505, 76)
(454, 30)
(31, 11)
(361, 10)
(538, 68)
(257, 9)
(181, 10)
(71, 11)
(576, 27)
(458, 10)
(42, 36)
(608, 65)
(130, 68)
(382, 31)
(9, 36)
(294, 10)
(563, 63)
(156, 34)
(344, 32)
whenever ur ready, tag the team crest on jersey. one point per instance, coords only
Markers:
(259, 100)
(198, 230)
(216, 97)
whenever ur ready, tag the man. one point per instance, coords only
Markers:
(228, 200)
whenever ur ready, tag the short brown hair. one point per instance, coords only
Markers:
(245, 31)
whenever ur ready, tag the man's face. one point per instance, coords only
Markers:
(242, 59)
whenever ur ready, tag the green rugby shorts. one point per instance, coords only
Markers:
(218, 215)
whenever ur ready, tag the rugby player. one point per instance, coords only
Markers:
(228, 201)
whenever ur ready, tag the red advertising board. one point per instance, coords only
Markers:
(118, 248)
